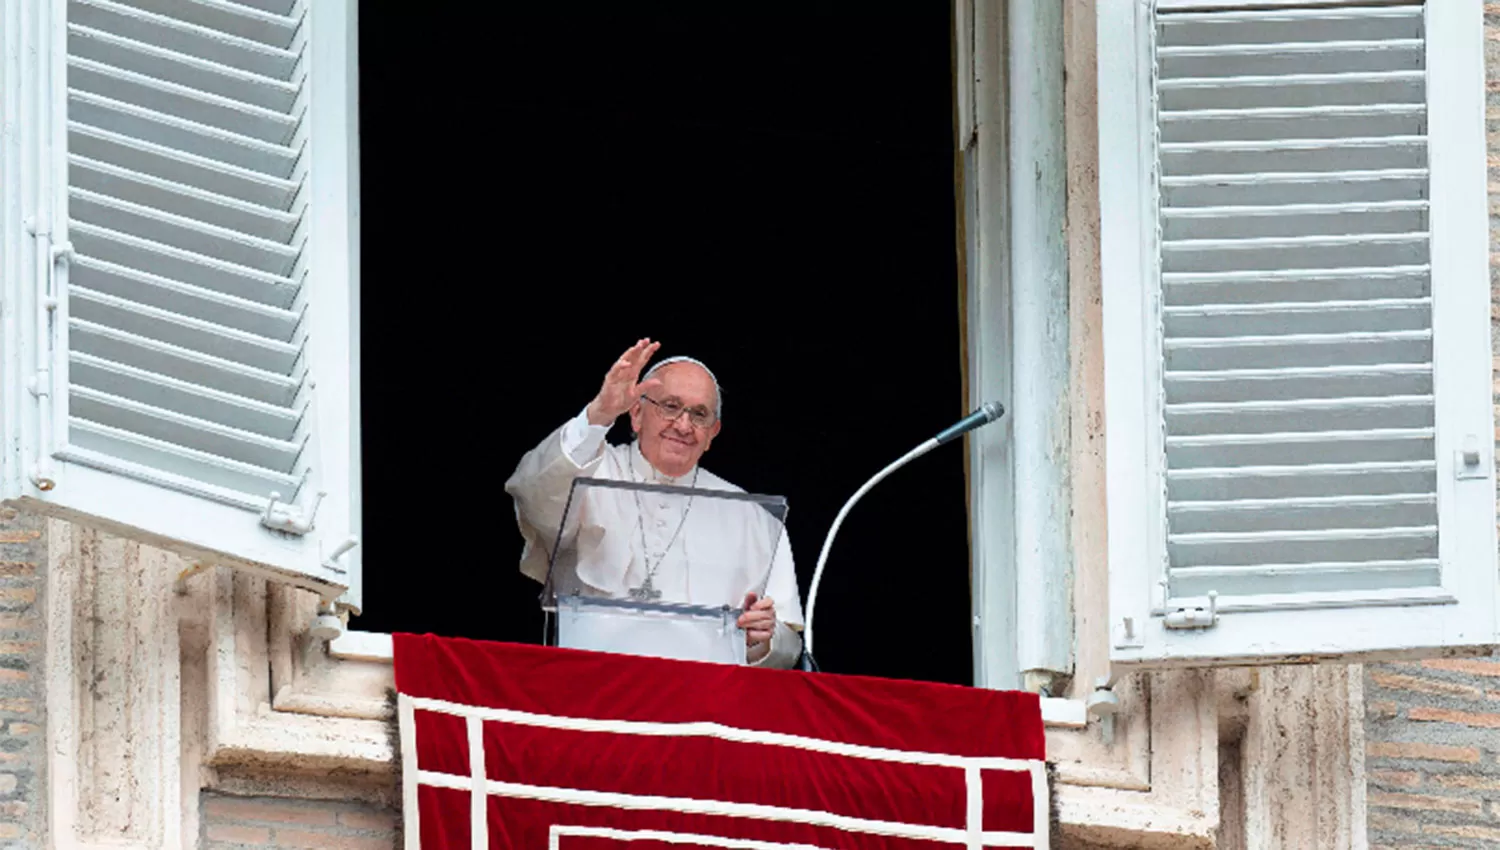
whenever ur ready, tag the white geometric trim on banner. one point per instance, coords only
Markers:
(971, 837)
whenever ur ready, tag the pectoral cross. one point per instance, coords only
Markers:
(646, 592)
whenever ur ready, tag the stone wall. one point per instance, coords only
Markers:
(1432, 729)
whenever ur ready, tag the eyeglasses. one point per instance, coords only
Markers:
(671, 408)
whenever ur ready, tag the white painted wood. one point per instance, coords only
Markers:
(1131, 366)
(991, 464)
(362, 646)
(411, 812)
(1461, 303)
(1231, 5)
(1314, 345)
(1039, 409)
(334, 242)
(187, 317)
(1067, 713)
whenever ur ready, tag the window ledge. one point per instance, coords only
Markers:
(362, 646)
(1066, 713)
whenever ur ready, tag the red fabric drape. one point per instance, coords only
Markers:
(773, 763)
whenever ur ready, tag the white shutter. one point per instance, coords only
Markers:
(1296, 303)
(195, 328)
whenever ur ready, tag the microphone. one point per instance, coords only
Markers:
(987, 413)
(984, 415)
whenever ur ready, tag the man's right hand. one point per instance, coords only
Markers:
(621, 390)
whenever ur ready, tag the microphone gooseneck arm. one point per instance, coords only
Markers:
(987, 413)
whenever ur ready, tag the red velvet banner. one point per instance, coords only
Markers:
(567, 750)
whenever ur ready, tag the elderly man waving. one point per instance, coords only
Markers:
(702, 556)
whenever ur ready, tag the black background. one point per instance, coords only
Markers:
(767, 187)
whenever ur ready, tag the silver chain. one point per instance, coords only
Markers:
(647, 589)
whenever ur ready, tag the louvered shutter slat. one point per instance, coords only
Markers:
(1202, 419)
(1293, 219)
(129, 119)
(1311, 25)
(1294, 318)
(194, 400)
(132, 453)
(227, 18)
(179, 429)
(1310, 252)
(1265, 580)
(1186, 191)
(128, 21)
(1298, 447)
(1257, 125)
(192, 367)
(1189, 354)
(163, 228)
(262, 320)
(200, 270)
(1292, 514)
(1341, 387)
(208, 175)
(180, 101)
(180, 331)
(186, 202)
(169, 66)
(1357, 478)
(275, 7)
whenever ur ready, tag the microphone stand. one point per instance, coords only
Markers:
(987, 413)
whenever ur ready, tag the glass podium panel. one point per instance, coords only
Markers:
(657, 570)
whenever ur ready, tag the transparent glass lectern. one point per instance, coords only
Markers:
(647, 569)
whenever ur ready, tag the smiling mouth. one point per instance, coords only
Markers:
(678, 440)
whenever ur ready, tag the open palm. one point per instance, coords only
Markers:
(622, 385)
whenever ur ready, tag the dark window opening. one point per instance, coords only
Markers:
(767, 187)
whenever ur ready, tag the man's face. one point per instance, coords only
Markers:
(674, 446)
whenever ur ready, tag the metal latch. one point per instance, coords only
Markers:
(287, 517)
(331, 563)
(1194, 616)
(1469, 462)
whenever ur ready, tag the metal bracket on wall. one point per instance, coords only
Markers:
(1104, 704)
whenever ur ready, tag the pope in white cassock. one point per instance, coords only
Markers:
(650, 545)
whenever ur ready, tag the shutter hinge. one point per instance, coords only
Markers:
(285, 516)
(1194, 616)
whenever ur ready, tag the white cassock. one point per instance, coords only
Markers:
(700, 551)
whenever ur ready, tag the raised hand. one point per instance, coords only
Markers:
(622, 384)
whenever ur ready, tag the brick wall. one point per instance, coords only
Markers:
(1432, 728)
(23, 562)
(1432, 731)
(229, 823)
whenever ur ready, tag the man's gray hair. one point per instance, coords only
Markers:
(718, 392)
